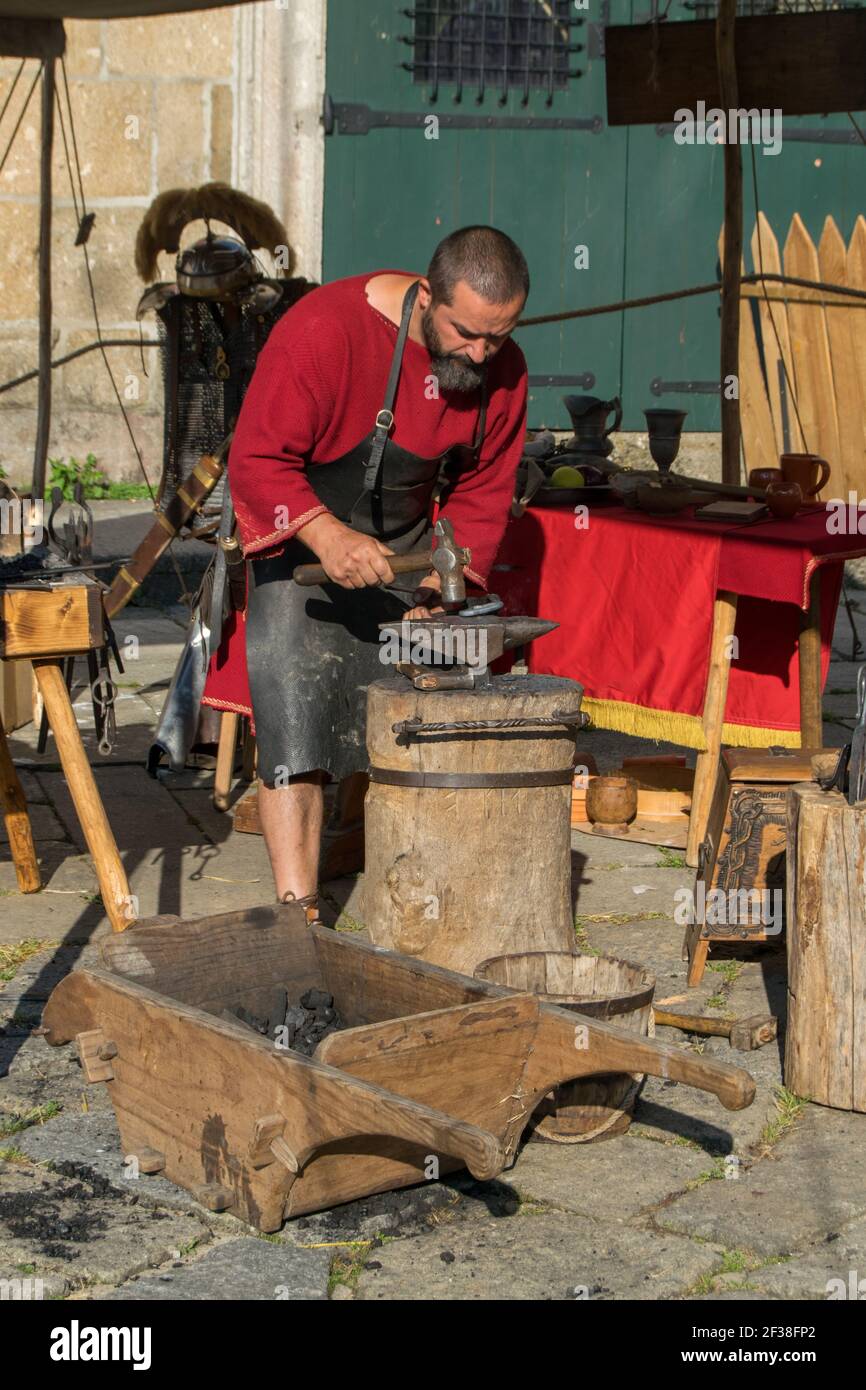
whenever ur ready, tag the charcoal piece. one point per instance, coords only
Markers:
(317, 999)
(233, 1016)
(258, 1025)
(276, 1009)
(294, 1021)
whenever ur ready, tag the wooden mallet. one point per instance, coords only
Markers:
(744, 1034)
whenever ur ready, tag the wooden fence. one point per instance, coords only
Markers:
(817, 404)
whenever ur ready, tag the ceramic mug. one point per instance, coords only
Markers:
(804, 469)
(760, 478)
(784, 499)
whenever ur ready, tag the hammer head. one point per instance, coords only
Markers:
(749, 1033)
(449, 561)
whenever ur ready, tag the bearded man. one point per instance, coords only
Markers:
(374, 398)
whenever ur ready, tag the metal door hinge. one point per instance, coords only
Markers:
(585, 379)
(677, 388)
(356, 118)
(811, 135)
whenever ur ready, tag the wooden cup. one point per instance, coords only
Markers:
(611, 802)
(784, 499)
(761, 478)
(810, 472)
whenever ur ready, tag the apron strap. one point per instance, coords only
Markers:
(385, 418)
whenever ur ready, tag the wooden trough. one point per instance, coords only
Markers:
(430, 1063)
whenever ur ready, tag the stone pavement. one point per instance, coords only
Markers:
(693, 1202)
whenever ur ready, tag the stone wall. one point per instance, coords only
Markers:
(158, 103)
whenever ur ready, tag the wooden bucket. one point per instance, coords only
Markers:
(597, 1107)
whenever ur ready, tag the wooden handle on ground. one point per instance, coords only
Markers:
(693, 1023)
(571, 1045)
(305, 575)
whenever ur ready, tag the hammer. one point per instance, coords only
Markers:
(744, 1034)
(448, 559)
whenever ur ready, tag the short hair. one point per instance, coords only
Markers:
(489, 261)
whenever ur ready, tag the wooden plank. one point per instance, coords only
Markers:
(817, 67)
(825, 1040)
(17, 821)
(775, 338)
(759, 437)
(50, 622)
(856, 274)
(810, 349)
(466, 1061)
(713, 718)
(850, 472)
(809, 665)
(219, 961)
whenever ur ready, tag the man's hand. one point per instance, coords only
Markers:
(428, 598)
(349, 559)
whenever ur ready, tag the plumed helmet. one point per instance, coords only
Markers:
(216, 267)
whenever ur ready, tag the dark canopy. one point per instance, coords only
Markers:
(103, 9)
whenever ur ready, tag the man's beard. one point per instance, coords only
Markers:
(453, 373)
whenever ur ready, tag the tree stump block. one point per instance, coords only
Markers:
(825, 1045)
(458, 873)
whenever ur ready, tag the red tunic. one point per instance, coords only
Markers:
(317, 388)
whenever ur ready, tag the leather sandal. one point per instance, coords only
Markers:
(310, 904)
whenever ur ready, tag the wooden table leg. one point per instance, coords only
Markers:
(17, 822)
(811, 718)
(222, 782)
(113, 883)
(715, 698)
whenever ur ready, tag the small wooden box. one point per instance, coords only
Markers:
(50, 622)
(744, 847)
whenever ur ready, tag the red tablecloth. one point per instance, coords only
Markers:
(634, 598)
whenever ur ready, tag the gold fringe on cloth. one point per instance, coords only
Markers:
(684, 729)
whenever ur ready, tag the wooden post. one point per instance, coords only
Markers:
(809, 657)
(17, 821)
(225, 763)
(825, 1041)
(110, 872)
(707, 766)
(730, 325)
(43, 421)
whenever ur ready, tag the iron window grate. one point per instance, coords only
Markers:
(504, 44)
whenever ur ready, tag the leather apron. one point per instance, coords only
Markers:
(312, 652)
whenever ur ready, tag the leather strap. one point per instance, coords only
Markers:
(391, 777)
(385, 418)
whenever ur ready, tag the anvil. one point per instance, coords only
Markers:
(451, 652)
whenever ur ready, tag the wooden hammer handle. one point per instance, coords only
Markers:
(307, 575)
(693, 1023)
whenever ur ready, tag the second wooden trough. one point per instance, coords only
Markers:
(430, 1063)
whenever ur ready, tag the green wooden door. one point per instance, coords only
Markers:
(391, 194)
(648, 211)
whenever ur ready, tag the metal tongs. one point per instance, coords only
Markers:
(849, 774)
